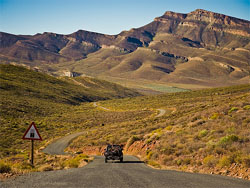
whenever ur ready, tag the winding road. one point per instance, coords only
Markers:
(95, 105)
(161, 112)
(132, 173)
(57, 147)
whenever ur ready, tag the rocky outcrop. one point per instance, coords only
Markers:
(211, 17)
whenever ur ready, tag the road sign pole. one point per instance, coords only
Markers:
(32, 134)
(32, 152)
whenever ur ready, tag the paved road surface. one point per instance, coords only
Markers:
(57, 147)
(130, 174)
(95, 105)
(161, 112)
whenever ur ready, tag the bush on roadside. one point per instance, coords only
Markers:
(179, 162)
(46, 168)
(187, 161)
(225, 161)
(131, 141)
(210, 161)
(75, 162)
(149, 154)
(154, 164)
(246, 161)
(168, 160)
(4, 167)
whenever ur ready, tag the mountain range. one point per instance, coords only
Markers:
(198, 49)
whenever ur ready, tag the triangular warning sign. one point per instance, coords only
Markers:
(32, 133)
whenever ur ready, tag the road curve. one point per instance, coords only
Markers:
(57, 147)
(161, 112)
(130, 174)
(95, 105)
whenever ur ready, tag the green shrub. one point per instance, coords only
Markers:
(215, 116)
(227, 140)
(203, 133)
(148, 141)
(25, 166)
(187, 161)
(154, 164)
(219, 150)
(210, 161)
(230, 130)
(179, 162)
(184, 167)
(236, 157)
(149, 155)
(75, 162)
(247, 107)
(233, 109)
(168, 150)
(132, 140)
(158, 131)
(224, 161)
(246, 161)
(4, 167)
(169, 128)
(180, 132)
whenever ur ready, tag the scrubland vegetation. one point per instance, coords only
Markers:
(204, 131)
(57, 106)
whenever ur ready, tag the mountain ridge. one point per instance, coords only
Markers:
(219, 41)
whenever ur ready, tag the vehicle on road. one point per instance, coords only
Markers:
(113, 152)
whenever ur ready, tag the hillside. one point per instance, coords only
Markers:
(205, 131)
(27, 96)
(58, 106)
(18, 82)
(194, 50)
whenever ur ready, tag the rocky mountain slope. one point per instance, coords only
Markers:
(199, 48)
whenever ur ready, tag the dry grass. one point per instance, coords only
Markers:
(208, 130)
(198, 127)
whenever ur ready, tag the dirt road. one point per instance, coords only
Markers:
(132, 173)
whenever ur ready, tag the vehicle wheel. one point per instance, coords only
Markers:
(121, 160)
(106, 160)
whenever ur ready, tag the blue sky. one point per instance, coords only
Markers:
(103, 16)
